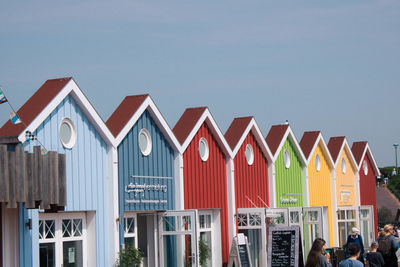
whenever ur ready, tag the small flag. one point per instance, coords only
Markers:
(29, 136)
(3, 98)
(45, 152)
(14, 118)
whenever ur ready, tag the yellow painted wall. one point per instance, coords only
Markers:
(345, 182)
(319, 187)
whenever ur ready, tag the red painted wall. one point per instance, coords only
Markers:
(368, 189)
(205, 183)
(251, 180)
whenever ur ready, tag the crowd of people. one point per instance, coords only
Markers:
(384, 252)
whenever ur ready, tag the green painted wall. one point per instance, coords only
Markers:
(288, 181)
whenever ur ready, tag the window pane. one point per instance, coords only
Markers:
(129, 242)
(77, 227)
(294, 217)
(205, 248)
(67, 228)
(49, 229)
(47, 255)
(202, 221)
(72, 253)
(130, 225)
(208, 221)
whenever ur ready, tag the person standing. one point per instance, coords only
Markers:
(388, 246)
(317, 256)
(354, 251)
(374, 258)
(356, 238)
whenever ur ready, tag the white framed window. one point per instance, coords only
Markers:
(130, 230)
(67, 133)
(145, 143)
(203, 149)
(365, 167)
(343, 165)
(286, 158)
(206, 234)
(62, 239)
(249, 153)
(317, 162)
(347, 219)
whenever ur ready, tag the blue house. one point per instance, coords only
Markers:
(63, 120)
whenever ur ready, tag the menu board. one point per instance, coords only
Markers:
(239, 254)
(244, 255)
(283, 246)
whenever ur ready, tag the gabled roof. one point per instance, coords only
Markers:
(238, 131)
(44, 101)
(359, 150)
(191, 121)
(277, 137)
(336, 145)
(309, 143)
(129, 111)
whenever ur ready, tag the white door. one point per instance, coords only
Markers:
(177, 238)
(251, 222)
(366, 222)
(313, 226)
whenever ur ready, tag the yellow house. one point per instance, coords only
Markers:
(347, 186)
(321, 187)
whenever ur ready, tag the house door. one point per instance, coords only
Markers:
(366, 222)
(177, 238)
(251, 222)
(313, 226)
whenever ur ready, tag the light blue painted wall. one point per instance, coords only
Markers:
(160, 162)
(86, 170)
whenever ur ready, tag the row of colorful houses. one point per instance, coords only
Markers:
(134, 181)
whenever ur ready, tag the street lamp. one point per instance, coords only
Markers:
(395, 153)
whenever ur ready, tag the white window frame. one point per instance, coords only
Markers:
(346, 220)
(211, 229)
(129, 235)
(59, 239)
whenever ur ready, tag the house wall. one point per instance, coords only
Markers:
(345, 182)
(251, 180)
(289, 181)
(205, 185)
(88, 186)
(320, 186)
(368, 189)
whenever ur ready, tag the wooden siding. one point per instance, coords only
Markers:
(320, 187)
(345, 181)
(86, 171)
(160, 163)
(251, 180)
(368, 189)
(205, 184)
(289, 181)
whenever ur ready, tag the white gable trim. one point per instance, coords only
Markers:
(289, 134)
(207, 118)
(71, 88)
(324, 148)
(367, 151)
(253, 127)
(345, 146)
(162, 124)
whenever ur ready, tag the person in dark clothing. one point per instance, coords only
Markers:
(375, 258)
(355, 237)
(388, 246)
(317, 256)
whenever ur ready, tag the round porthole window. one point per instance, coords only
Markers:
(249, 154)
(365, 167)
(67, 133)
(343, 165)
(317, 162)
(203, 149)
(145, 142)
(286, 158)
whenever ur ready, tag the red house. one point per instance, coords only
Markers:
(367, 170)
(205, 163)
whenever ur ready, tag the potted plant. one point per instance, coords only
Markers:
(129, 257)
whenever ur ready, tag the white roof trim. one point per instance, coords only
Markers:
(258, 136)
(207, 118)
(289, 134)
(71, 88)
(148, 104)
(345, 145)
(324, 148)
(367, 149)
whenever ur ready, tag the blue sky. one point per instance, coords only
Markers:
(332, 66)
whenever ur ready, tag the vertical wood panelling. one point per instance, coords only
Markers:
(289, 181)
(205, 181)
(345, 181)
(251, 180)
(319, 184)
(368, 189)
(86, 168)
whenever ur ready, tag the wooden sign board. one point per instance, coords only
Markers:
(283, 246)
(239, 255)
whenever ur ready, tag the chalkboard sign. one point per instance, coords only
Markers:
(283, 246)
(239, 254)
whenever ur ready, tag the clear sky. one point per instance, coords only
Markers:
(332, 66)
